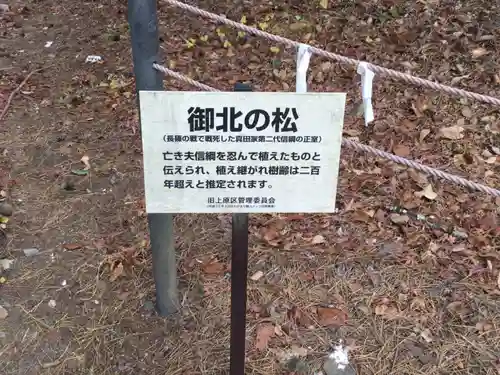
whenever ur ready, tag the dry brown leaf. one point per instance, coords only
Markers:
(351, 132)
(318, 239)
(426, 335)
(484, 326)
(329, 316)
(298, 26)
(100, 244)
(257, 275)
(370, 213)
(401, 150)
(467, 112)
(497, 78)
(461, 248)
(399, 219)
(418, 303)
(457, 307)
(355, 287)
(418, 177)
(3, 313)
(360, 215)
(72, 246)
(380, 215)
(427, 193)
(278, 331)
(85, 160)
(452, 132)
(489, 264)
(424, 133)
(478, 52)
(116, 272)
(295, 217)
(388, 312)
(380, 309)
(271, 234)
(486, 154)
(255, 308)
(420, 106)
(264, 333)
(123, 296)
(298, 351)
(307, 276)
(129, 255)
(323, 4)
(285, 355)
(407, 125)
(374, 276)
(459, 160)
(298, 317)
(214, 268)
(5, 264)
(348, 207)
(326, 66)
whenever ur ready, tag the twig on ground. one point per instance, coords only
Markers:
(16, 90)
(57, 362)
(40, 322)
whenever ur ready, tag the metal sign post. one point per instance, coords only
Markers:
(239, 267)
(145, 45)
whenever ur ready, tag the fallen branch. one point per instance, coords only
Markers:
(16, 90)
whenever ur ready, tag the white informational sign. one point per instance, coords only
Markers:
(207, 152)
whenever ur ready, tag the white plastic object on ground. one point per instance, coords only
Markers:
(340, 356)
(93, 59)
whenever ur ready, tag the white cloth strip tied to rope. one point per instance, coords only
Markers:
(358, 146)
(303, 58)
(343, 59)
(366, 90)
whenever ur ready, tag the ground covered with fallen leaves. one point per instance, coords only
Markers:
(406, 273)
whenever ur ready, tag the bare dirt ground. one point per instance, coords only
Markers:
(408, 294)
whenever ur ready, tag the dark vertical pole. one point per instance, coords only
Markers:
(145, 44)
(239, 265)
